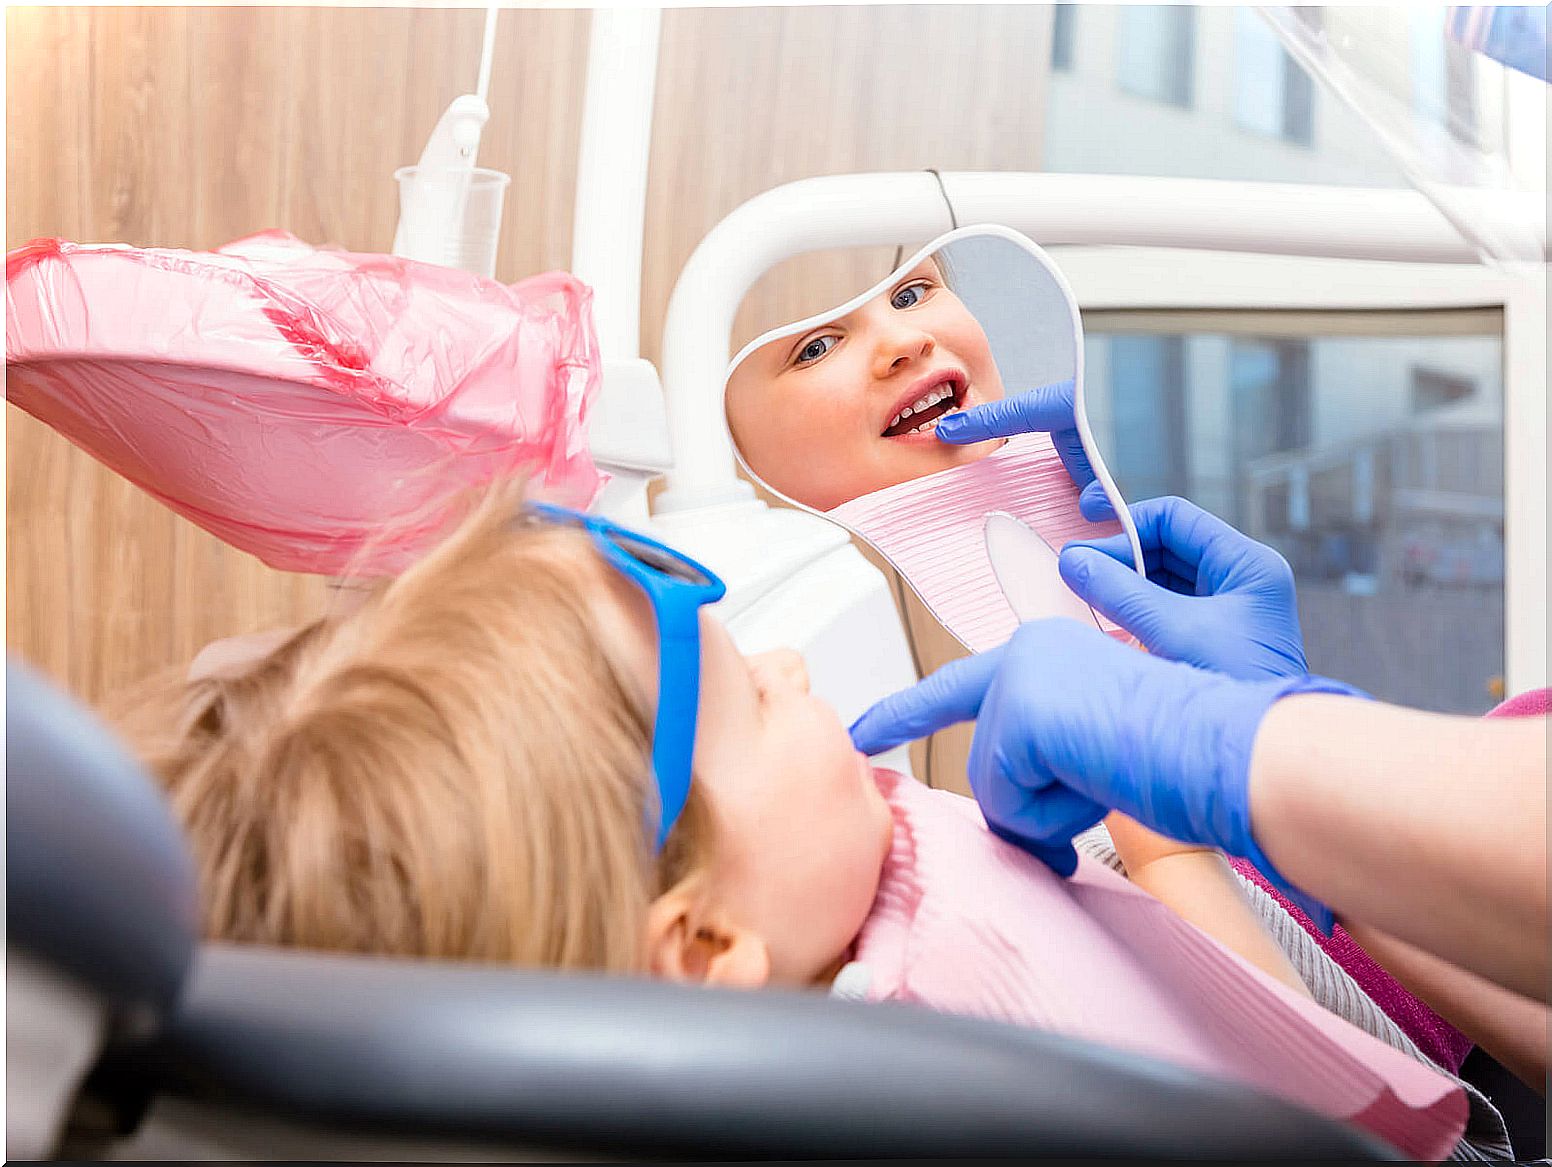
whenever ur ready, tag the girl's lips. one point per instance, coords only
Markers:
(949, 379)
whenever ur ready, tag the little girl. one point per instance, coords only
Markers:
(475, 764)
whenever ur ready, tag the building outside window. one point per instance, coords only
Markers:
(1156, 51)
(1207, 91)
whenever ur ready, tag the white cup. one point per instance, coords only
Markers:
(451, 215)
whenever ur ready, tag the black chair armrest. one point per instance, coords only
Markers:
(591, 1064)
(100, 885)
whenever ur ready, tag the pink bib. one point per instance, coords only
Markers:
(933, 530)
(966, 923)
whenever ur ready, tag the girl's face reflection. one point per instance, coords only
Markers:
(849, 407)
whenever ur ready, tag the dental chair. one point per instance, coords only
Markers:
(129, 1038)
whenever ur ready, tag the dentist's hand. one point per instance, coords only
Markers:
(1070, 723)
(1048, 409)
(1213, 597)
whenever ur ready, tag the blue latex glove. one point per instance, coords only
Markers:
(1070, 723)
(1213, 597)
(1048, 409)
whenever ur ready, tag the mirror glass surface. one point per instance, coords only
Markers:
(838, 414)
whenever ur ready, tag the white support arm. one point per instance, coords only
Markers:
(907, 208)
(611, 200)
(628, 436)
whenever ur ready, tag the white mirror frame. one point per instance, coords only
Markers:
(982, 230)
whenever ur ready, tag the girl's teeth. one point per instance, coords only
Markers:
(931, 399)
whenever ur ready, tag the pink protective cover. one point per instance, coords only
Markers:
(933, 530)
(966, 923)
(316, 408)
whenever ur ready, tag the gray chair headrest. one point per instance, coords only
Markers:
(100, 885)
(617, 1065)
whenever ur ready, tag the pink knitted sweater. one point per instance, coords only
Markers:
(966, 923)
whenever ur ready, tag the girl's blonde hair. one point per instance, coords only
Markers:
(456, 769)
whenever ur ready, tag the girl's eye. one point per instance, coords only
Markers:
(815, 348)
(910, 295)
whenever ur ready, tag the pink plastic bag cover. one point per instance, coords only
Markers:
(317, 408)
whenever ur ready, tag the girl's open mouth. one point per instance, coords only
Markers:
(922, 414)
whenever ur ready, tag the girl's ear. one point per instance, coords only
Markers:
(688, 942)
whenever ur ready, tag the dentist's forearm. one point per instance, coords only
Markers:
(1428, 827)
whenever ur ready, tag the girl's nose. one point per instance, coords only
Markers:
(899, 345)
(783, 666)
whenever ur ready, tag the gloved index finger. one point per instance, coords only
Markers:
(1047, 409)
(950, 695)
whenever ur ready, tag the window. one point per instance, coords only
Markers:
(1443, 75)
(1148, 411)
(1432, 388)
(1372, 461)
(1155, 51)
(1269, 383)
(1272, 94)
(1061, 36)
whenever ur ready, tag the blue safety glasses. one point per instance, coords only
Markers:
(677, 586)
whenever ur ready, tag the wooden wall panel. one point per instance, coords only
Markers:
(188, 127)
